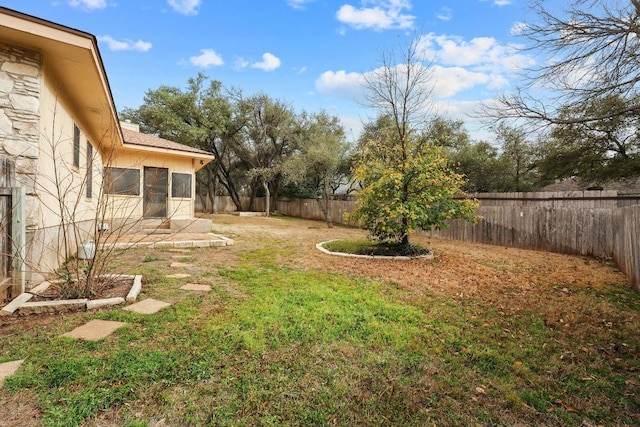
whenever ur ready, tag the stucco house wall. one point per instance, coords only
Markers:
(59, 126)
(128, 211)
(37, 132)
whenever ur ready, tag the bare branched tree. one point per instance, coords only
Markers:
(588, 50)
(401, 87)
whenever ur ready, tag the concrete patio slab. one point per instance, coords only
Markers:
(94, 330)
(171, 240)
(9, 368)
(178, 276)
(147, 306)
(196, 287)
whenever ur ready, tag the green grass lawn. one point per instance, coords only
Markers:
(276, 345)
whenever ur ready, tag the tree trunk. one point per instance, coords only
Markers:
(275, 185)
(405, 230)
(325, 206)
(267, 197)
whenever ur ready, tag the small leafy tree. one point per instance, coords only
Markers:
(407, 181)
(407, 187)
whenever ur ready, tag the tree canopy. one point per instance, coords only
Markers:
(584, 95)
(407, 182)
(321, 163)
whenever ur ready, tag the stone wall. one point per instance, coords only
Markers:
(20, 79)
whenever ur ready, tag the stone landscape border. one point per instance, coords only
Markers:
(23, 305)
(320, 247)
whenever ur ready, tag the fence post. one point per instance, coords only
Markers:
(18, 244)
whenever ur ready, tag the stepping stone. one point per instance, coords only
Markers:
(179, 256)
(147, 306)
(9, 368)
(94, 330)
(196, 287)
(178, 276)
(181, 265)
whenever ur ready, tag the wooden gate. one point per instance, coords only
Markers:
(6, 181)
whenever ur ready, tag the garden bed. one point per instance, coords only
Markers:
(48, 297)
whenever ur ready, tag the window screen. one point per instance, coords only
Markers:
(122, 181)
(89, 170)
(76, 146)
(181, 185)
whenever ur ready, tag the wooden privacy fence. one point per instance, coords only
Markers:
(603, 224)
(570, 231)
(626, 244)
(603, 233)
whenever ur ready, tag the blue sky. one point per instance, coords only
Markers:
(311, 54)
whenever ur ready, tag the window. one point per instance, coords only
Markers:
(89, 170)
(122, 181)
(76, 146)
(181, 185)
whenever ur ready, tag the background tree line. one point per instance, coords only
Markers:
(262, 146)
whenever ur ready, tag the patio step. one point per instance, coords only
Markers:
(156, 226)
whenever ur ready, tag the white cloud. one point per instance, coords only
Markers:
(185, 7)
(113, 44)
(482, 53)
(461, 64)
(457, 65)
(353, 126)
(377, 14)
(500, 2)
(340, 84)
(269, 62)
(298, 4)
(240, 63)
(517, 28)
(444, 14)
(88, 4)
(206, 59)
(451, 80)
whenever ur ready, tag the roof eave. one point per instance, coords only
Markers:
(202, 159)
(73, 67)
